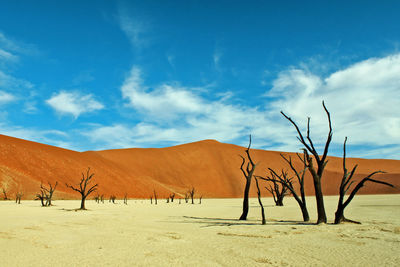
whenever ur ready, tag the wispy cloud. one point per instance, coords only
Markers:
(135, 28)
(6, 97)
(73, 103)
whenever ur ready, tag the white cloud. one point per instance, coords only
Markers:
(6, 97)
(363, 100)
(134, 28)
(73, 103)
(7, 56)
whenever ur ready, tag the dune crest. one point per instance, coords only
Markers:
(209, 166)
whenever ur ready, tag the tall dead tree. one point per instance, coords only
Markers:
(301, 200)
(345, 184)
(186, 197)
(42, 197)
(321, 161)
(85, 189)
(278, 189)
(259, 201)
(248, 174)
(200, 198)
(151, 199)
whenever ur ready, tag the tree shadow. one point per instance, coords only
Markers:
(209, 222)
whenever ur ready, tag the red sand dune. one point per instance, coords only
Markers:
(209, 166)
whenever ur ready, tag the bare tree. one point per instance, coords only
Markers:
(5, 194)
(42, 197)
(151, 199)
(279, 189)
(191, 194)
(248, 174)
(126, 199)
(259, 201)
(345, 184)
(200, 198)
(301, 200)
(155, 197)
(172, 196)
(186, 197)
(97, 198)
(179, 201)
(48, 192)
(321, 161)
(85, 189)
(112, 199)
(18, 197)
(102, 198)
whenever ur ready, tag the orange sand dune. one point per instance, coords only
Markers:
(209, 166)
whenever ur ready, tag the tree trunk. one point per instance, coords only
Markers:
(83, 203)
(320, 201)
(339, 215)
(246, 200)
(304, 211)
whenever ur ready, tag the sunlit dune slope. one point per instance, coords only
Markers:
(209, 166)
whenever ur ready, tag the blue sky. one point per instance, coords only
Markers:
(91, 75)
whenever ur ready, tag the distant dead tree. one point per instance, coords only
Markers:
(345, 184)
(151, 199)
(187, 197)
(18, 197)
(301, 200)
(321, 161)
(102, 198)
(48, 192)
(248, 174)
(278, 189)
(155, 197)
(5, 193)
(85, 189)
(126, 199)
(42, 197)
(260, 202)
(172, 196)
(112, 199)
(200, 198)
(97, 198)
(179, 201)
(191, 194)
(167, 199)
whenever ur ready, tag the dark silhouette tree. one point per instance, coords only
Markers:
(126, 199)
(301, 200)
(191, 194)
(172, 196)
(248, 174)
(278, 189)
(155, 197)
(42, 197)
(186, 197)
(345, 185)
(200, 198)
(259, 201)
(321, 161)
(85, 189)
(112, 199)
(151, 199)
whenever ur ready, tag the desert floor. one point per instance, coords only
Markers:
(141, 234)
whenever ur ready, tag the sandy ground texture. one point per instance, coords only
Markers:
(141, 234)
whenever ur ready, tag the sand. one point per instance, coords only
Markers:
(141, 234)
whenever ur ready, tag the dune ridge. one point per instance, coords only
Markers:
(209, 166)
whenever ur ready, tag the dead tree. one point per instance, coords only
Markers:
(179, 201)
(321, 161)
(42, 197)
(48, 192)
(186, 197)
(279, 189)
(5, 194)
(167, 199)
(85, 189)
(112, 199)
(126, 199)
(259, 201)
(18, 197)
(151, 199)
(155, 197)
(301, 200)
(248, 174)
(200, 198)
(172, 196)
(102, 198)
(191, 194)
(97, 198)
(345, 186)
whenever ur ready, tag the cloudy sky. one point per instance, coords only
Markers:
(91, 75)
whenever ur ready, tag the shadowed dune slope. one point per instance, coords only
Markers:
(209, 166)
